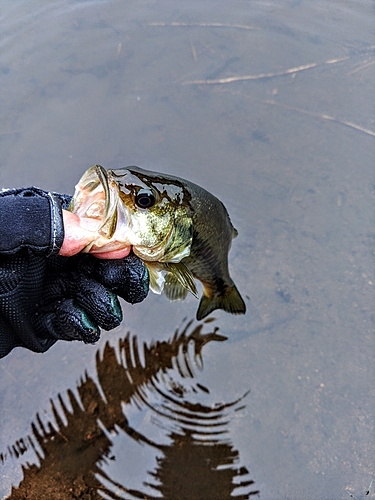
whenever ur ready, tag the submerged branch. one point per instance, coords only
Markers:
(261, 76)
(322, 116)
(205, 25)
(362, 67)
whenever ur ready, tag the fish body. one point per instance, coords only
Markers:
(176, 227)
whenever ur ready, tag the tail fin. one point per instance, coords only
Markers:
(230, 301)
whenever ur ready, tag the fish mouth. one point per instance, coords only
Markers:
(97, 176)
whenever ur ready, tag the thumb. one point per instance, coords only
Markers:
(78, 233)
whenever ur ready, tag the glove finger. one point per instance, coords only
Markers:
(90, 295)
(100, 302)
(126, 277)
(67, 321)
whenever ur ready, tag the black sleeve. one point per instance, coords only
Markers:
(44, 296)
(30, 218)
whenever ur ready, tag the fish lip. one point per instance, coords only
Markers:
(111, 198)
(103, 178)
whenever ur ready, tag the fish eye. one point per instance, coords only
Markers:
(145, 198)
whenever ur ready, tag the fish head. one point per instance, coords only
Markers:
(137, 208)
(154, 213)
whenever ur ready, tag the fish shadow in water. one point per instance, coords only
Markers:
(197, 463)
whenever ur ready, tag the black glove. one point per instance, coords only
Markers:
(45, 297)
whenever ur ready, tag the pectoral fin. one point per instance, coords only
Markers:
(173, 289)
(229, 301)
(176, 281)
(182, 275)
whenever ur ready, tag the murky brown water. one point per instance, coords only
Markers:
(290, 150)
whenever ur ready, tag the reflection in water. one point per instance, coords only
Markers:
(74, 453)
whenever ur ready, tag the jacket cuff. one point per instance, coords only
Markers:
(30, 218)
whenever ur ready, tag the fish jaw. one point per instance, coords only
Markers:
(109, 240)
(97, 198)
(89, 199)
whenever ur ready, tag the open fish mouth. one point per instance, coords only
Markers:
(97, 197)
(108, 224)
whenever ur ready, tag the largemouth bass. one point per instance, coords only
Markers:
(180, 231)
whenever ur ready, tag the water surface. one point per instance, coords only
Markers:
(290, 151)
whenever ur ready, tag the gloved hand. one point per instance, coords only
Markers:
(45, 297)
(70, 298)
